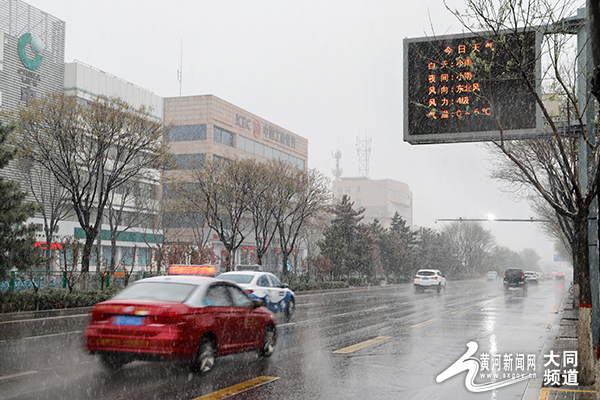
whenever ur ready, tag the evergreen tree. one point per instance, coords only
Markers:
(17, 240)
(341, 238)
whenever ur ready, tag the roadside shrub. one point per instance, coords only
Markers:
(300, 286)
(52, 299)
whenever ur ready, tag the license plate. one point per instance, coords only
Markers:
(513, 284)
(425, 279)
(129, 320)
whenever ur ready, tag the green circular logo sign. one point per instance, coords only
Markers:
(36, 44)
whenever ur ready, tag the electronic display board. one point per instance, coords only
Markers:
(459, 87)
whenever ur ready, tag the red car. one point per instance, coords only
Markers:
(179, 317)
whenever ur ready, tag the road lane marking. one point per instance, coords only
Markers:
(362, 345)
(41, 336)
(239, 388)
(431, 321)
(545, 393)
(44, 319)
(460, 311)
(17, 375)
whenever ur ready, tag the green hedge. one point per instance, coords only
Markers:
(314, 285)
(51, 299)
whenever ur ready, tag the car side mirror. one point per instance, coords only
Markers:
(258, 303)
(285, 286)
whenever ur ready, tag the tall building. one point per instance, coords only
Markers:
(32, 54)
(381, 199)
(204, 127)
(135, 240)
(32, 65)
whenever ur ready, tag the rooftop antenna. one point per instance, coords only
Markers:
(337, 171)
(180, 70)
(363, 148)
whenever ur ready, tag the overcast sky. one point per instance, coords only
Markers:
(330, 71)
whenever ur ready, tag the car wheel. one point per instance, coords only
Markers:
(291, 307)
(269, 340)
(439, 288)
(205, 357)
(112, 361)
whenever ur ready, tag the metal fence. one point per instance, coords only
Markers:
(20, 280)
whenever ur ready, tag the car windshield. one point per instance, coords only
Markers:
(426, 273)
(513, 272)
(237, 278)
(161, 291)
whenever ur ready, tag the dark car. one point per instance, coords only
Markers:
(514, 279)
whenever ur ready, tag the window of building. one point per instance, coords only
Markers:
(142, 257)
(262, 150)
(358, 189)
(181, 133)
(126, 256)
(223, 136)
(182, 220)
(171, 190)
(340, 190)
(188, 161)
(347, 189)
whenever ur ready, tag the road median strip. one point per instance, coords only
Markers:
(239, 388)
(362, 345)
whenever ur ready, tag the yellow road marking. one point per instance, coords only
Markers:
(239, 388)
(19, 374)
(431, 321)
(460, 311)
(545, 393)
(362, 345)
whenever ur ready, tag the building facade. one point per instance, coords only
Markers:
(381, 199)
(204, 127)
(32, 54)
(136, 239)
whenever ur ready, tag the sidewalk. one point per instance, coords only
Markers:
(563, 336)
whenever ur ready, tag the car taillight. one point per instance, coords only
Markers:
(416, 276)
(249, 291)
(99, 317)
(435, 277)
(168, 318)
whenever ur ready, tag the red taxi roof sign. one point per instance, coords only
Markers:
(204, 270)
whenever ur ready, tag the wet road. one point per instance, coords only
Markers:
(377, 343)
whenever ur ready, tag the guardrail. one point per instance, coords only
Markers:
(22, 280)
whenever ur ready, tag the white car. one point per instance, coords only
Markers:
(266, 287)
(492, 275)
(429, 279)
(531, 277)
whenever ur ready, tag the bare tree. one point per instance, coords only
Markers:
(131, 205)
(471, 242)
(311, 197)
(220, 191)
(53, 198)
(550, 166)
(91, 148)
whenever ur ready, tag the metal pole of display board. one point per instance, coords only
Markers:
(585, 67)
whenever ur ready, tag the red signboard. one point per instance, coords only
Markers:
(43, 245)
(204, 270)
